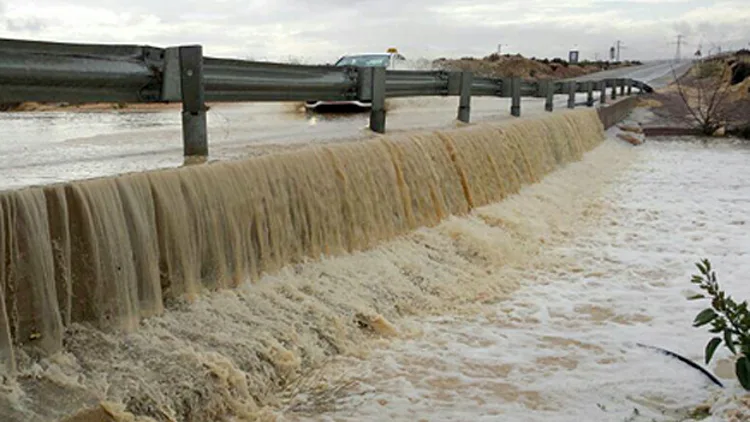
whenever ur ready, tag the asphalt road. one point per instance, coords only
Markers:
(657, 74)
(49, 147)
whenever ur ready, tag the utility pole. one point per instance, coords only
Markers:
(680, 41)
(619, 45)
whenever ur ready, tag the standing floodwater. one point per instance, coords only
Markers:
(563, 347)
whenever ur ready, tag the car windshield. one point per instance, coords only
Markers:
(368, 60)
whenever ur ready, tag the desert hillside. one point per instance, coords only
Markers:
(500, 66)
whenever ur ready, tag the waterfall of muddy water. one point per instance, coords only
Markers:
(85, 263)
(621, 231)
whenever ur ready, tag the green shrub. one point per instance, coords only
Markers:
(728, 319)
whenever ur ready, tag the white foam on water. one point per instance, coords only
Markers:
(563, 347)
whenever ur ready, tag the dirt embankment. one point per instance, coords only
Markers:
(719, 88)
(501, 66)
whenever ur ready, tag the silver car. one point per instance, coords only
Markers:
(390, 60)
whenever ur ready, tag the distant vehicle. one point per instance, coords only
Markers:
(390, 60)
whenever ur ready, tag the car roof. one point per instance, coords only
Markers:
(368, 54)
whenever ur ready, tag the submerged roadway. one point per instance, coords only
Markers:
(49, 147)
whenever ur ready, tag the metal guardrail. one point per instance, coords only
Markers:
(79, 73)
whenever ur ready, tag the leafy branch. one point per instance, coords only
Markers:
(728, 319)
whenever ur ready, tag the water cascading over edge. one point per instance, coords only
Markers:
(114, 250)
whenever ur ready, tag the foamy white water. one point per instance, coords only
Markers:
(614, 272)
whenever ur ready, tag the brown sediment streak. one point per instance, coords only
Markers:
(459, 169)
(115, 250)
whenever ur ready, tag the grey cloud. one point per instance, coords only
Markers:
(325, 29)
(31, 25)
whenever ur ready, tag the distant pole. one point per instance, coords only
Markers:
(680, 40)
(619, 43)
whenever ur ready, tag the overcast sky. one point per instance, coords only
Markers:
(322, 30)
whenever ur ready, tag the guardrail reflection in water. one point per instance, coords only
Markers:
(77, 73)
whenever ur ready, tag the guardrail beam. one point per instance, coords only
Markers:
(194, 128)
(464, 102)
(377, 110)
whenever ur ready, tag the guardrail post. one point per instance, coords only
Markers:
(614, 88)
(377, 110)
(572, 94)
(194, 130)
(515, 103)
(464, 102)
(622, 87)
(589, 93)
(549, 101)
(603, 91)
(629, 83)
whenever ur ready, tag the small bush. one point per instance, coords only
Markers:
(707, 70)
(493, 57)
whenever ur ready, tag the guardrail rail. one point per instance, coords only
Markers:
(78, 73)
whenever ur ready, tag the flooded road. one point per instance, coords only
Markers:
(49, 147)
(614, 272)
